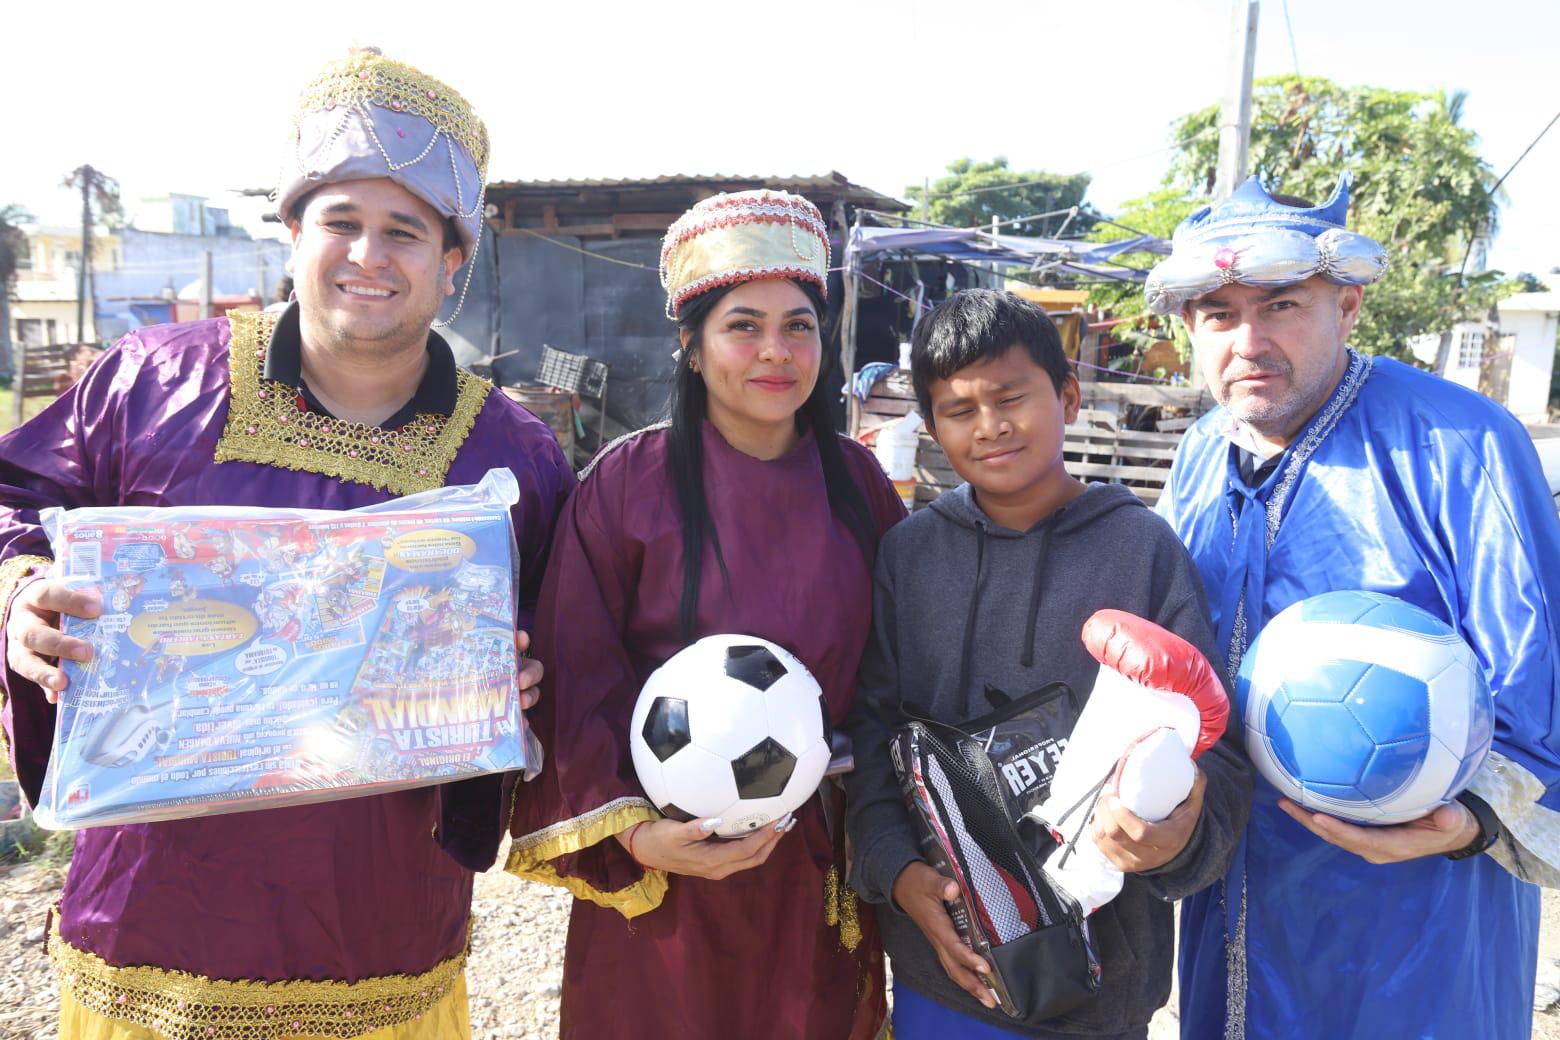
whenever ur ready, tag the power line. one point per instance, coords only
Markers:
(586, 252)
(1463, 270)
(1524, 154)
(1291, 30)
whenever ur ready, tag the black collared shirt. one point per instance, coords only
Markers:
(1254, 469)
(435, 394)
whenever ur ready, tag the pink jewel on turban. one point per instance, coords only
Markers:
(1224, 258)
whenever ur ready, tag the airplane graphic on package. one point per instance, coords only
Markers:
(249, 658)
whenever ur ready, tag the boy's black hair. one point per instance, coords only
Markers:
(975, 325)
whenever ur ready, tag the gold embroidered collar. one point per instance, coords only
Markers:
(264, 425)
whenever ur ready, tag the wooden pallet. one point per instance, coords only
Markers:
(46, 370)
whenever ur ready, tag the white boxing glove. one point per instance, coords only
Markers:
(1156, 697)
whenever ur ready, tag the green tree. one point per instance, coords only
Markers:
(972, 194)
(1420, 188)
(13, 256)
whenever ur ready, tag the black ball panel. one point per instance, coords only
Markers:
(671, 812)
(666, 729)
(828, 726)
(763, 770)
(754, 665)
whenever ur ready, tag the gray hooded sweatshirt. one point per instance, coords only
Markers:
(962, 604)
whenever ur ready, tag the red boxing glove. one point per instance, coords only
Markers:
(1157, 658)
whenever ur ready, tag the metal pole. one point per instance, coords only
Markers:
(205, 283)
(996, 276)
(86, 254)
(1235, 112)
(852, 306)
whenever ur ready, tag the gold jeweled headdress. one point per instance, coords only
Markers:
(742, 237)
(365, 116)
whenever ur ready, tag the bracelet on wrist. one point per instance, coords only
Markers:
(1489, 826)
(633, 832)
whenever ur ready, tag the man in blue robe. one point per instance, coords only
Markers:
(1325, 470)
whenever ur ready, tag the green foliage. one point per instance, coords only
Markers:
(1420, 188)
(13, 243)
(1032, 192)
(1156, 213)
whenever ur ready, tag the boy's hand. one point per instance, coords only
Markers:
(921, 892)
(1133, 844)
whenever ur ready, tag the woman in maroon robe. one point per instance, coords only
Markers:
(745, 513)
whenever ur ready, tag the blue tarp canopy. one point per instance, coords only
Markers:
(1068, 256)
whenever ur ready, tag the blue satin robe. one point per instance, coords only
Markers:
(1407, 485)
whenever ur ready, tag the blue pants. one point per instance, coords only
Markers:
(921, 1018)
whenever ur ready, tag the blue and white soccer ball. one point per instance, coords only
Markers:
(1364, 707)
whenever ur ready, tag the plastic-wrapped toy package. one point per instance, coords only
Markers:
(251, 658)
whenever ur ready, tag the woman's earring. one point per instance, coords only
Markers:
(693, 364)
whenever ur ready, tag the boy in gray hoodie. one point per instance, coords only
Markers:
(981, 598)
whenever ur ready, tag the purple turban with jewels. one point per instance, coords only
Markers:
(1252, 239)
(366, 116)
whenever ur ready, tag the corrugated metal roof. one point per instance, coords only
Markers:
(832, 182)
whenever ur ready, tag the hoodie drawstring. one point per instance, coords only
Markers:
(968, 651)
(1028, 660)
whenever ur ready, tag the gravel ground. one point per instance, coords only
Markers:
(513, 985)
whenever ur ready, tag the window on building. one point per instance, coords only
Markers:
(1470, 348)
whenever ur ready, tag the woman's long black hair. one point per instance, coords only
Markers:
(687, 409)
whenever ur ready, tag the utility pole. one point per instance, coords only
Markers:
(205, 283)
(1235, 112)
(84, 271)
(95, 186)
(260, 273)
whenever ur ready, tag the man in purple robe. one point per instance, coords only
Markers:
(339, 919)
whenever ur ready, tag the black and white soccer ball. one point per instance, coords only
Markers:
(732, 727)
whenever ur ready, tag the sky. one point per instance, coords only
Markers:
(196, 97)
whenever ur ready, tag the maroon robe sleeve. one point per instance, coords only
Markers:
(564, 820)
(61, 457)
(473, 813)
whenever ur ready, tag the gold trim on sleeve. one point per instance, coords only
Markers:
(264, 425)
(181, 1006)
(530, 856)
(840, 910)
(13, 572)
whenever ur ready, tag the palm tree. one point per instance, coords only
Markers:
(13, 248)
